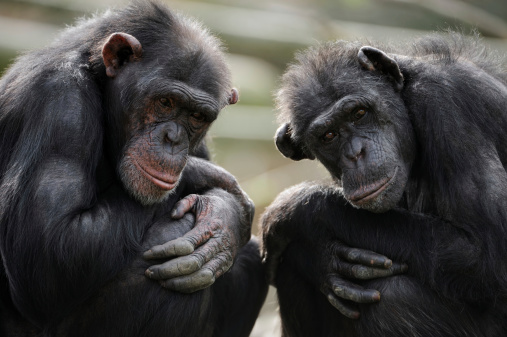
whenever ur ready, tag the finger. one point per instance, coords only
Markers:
(357, 271)
(184, 265)
(220, 264)
(202, 278)
(398, 268)
(353, 292)
(364, 257)
(344, 308)
(184, 205)
(176, 247)
(181, 246)
(190, 283)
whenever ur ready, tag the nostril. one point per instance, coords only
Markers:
(172, 138)
(167, 138)
(172, 133)
(356, 156)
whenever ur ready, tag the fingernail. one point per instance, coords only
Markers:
(148, 273)
(376, 296)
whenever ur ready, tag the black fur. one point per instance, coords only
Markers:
(446, 128)
(71, 237)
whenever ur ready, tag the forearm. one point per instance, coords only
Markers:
(290, 217)
(450, 257)
(71, 251)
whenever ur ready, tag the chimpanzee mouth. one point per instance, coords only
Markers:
(371, 191)
(161, 180)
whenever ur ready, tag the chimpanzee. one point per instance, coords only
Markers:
(103, 174)
(414, 138)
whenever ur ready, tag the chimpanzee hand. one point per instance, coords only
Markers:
(343, 264)
(205, 252)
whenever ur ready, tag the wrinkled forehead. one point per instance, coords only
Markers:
(194, 68)
(188, 53)
(319, 90)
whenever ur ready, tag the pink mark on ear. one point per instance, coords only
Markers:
(114, 44)
(234, 97)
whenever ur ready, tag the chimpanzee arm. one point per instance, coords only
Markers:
(456, 258)
(453, 258)
(61, 239)
(223, 224)
(292, 217)
(458, 249)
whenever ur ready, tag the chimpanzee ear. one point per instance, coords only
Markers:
(374, 59)
(118, 49)
(234, 96)
(286, 145)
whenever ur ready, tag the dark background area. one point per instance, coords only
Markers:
(262, 37)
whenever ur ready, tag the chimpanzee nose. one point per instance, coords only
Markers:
(173, 133)
(354, 151)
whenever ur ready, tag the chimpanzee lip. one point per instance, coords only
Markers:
(372, 190)
(157, 178)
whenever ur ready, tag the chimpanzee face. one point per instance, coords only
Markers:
(355, 123)
(162, 110)
(160, 136)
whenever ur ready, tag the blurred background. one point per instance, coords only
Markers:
(262, 37)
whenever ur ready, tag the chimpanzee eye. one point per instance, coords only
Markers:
(328, 136)
(358, 114)
(198, 116)
(167, 102)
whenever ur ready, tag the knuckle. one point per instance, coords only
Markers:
(207, 276)
(335, 264)
(182, 247)
(167, 249)
(338, 290)
(229, 262)
(224, 263)
(167, 271)
(203, 256)
(353, 296)
(384, 273)
(191, 264)
(189, 199)
(361, 272)
(352, 254)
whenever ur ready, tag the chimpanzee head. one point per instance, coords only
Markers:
(164, 88)
(340, 103)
